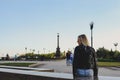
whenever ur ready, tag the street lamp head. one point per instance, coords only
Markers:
(91, 25)
(115, 44)
(57, 34)
(25, 47)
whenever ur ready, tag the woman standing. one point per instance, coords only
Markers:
(84, 61)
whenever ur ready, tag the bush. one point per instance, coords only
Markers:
(106, 60)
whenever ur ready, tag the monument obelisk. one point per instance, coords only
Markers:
(58, 48)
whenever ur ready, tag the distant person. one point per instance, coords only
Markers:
(68, 58)
(71, 57)
(84, 61)
(42, 57)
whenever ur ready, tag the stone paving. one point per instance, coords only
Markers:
(60, 66)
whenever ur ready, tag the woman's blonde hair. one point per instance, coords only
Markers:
(84, 39)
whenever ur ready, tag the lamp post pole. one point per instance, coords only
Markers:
(115, 44)
(25, 50)
(44, 50)
(91, 28)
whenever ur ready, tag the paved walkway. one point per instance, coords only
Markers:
(60, 66)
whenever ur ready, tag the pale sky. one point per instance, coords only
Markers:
(35, 23)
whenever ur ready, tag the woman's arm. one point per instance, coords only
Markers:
(95, 67)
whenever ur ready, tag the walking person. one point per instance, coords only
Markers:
(71, 58)
(84, 61)
(68, 58)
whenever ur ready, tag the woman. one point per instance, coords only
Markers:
(84, 61)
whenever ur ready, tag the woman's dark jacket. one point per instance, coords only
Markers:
(77, 64)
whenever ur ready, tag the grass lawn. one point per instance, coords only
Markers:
(17, 64)
(100, 64)
(109, 64)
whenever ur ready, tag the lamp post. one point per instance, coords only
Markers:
(38, 51)
(25, 50)
(91, 28)
(115, 44)
(44, 50)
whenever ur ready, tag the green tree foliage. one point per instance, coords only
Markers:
(32, 56)
(109, 55)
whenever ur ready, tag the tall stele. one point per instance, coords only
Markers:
(58, 48)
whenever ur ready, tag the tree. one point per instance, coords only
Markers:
(7, 57)
(106, 55)
(33, 50)
(111, 54)
(102, 53)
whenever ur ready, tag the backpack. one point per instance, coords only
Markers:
(86, 57)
